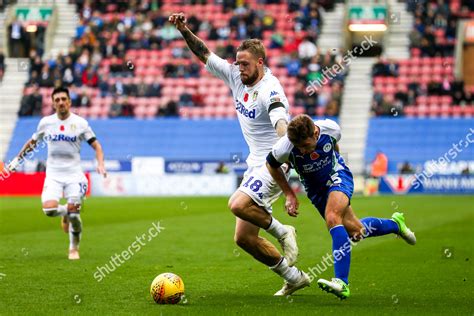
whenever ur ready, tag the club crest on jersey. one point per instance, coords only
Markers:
(327, 147)
(314, 155)
(273, 93)
(244, 111)
(254, 96)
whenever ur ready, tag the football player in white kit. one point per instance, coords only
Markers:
(262, 110)
(63, 132)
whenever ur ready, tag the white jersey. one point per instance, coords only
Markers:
(64, 139)
(252, 105)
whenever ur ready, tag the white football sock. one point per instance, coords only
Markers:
(276, 229)
(62, 210)
(290, 274)
(75, 229)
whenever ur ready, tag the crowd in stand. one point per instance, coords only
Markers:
(433, 35)
(143, 26)
(386, 104)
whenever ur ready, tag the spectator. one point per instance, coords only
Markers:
(83, 100)
(392, 68)
(120, 108)
(415, 37)
(169, 32)
(307, 49)
(18, 40)
(46, 78)
(277, 41)
(379, 68)
(379, 165)
(406, 168)
(31, 104)
(2, 65)
(198, 99)
(221, 168)
(170, 109)
(332, 109)
(185, 100)
(293, 66)
(89, 77)
(466, 171)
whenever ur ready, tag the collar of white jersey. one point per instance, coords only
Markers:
(69, 117)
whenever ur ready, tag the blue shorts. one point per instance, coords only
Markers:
(346, 186)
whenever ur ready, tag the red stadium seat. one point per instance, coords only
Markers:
(457, 111)
(410, 111)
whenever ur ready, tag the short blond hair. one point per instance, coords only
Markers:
(254, 46)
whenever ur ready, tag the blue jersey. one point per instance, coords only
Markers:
(321, 171)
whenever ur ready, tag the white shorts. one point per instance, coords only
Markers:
(261, 187)
(72, 187)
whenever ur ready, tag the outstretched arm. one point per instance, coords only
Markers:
(27, 148)
(195, 44)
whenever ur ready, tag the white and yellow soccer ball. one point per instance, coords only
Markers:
(167, 288)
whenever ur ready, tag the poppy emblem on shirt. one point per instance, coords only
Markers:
(246, 97)
(314, 156)
(61, 128)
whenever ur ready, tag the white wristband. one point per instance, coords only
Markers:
(14, 164)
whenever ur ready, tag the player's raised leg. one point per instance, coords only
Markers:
(374, 226)
(52, 193)
(246, 236)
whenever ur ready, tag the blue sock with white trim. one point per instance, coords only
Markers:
(341, 251)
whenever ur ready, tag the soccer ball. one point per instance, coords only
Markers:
(167, 288)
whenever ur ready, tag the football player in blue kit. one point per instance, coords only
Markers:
(312, 150)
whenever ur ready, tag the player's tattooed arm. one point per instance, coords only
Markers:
(281, 127)
(195, 44)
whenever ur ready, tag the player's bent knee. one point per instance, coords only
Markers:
(237, 207)
(73, 208)
(74, 204)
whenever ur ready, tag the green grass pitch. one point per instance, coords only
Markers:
(387, 275)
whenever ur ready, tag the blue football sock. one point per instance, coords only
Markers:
(379, 226)
(341, 251)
